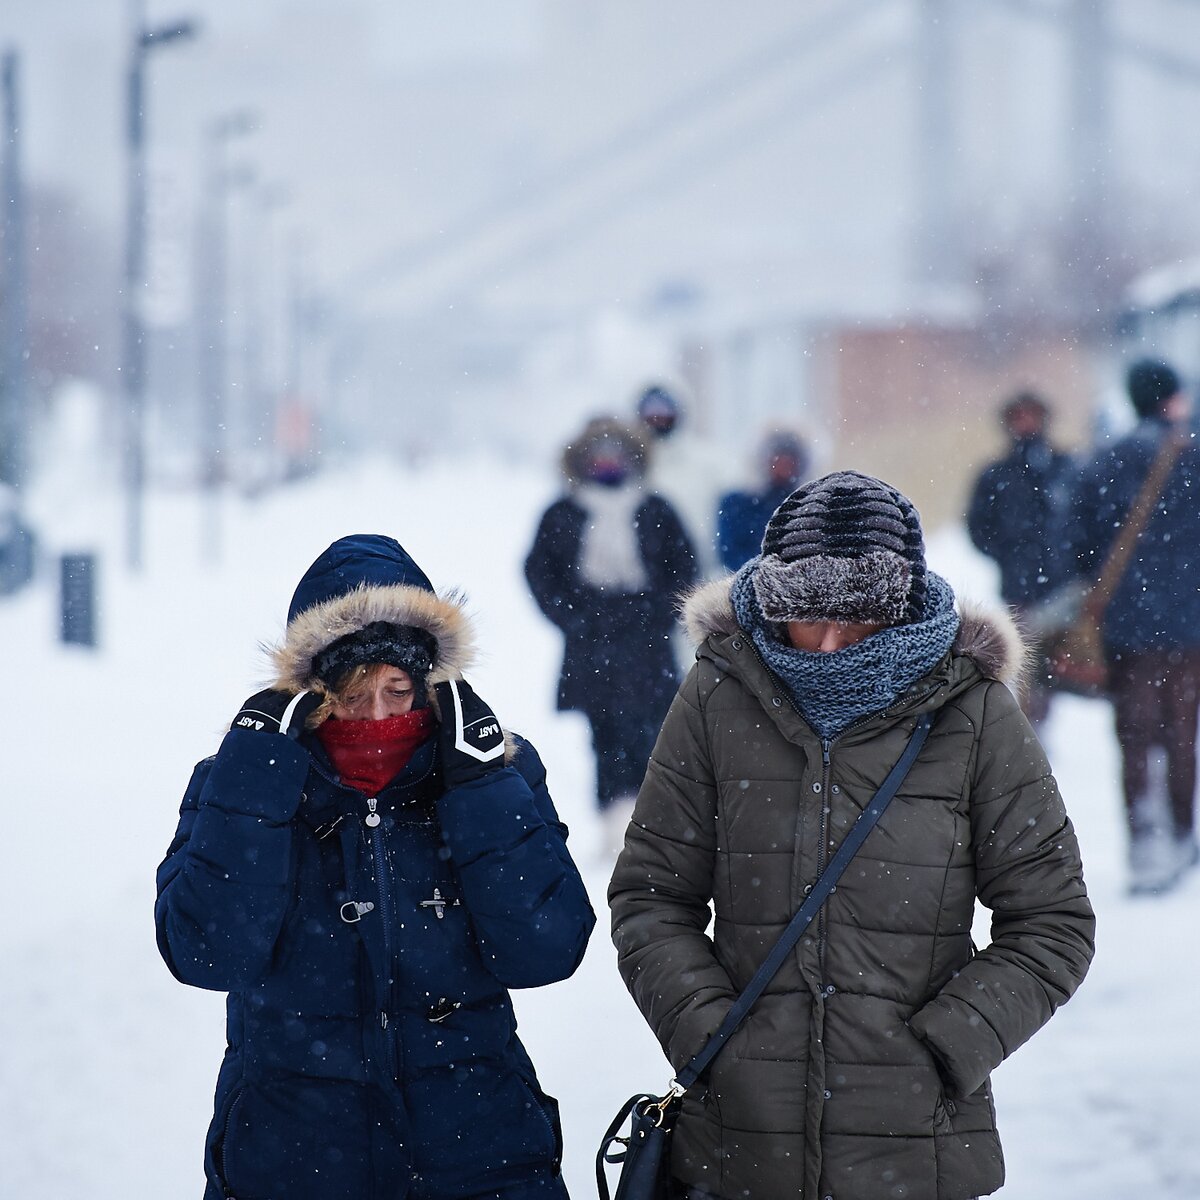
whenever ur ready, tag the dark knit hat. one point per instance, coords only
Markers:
(845, 547)
(659, 410)
(404, 646)
(1024, 402)
(1151, 384)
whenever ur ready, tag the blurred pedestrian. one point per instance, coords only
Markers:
(1017, 516)
(782, 464)
(683, 467)
(17, 544)
(863, 1069)
(1151, 627)
(607, 563)
(367, 865)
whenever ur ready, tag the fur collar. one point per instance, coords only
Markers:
(444, 617)
(988, 636)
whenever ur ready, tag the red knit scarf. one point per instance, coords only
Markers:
(370, 754)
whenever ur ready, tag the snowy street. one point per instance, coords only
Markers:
(107, 1065)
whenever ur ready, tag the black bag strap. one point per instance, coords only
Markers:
(821, 889)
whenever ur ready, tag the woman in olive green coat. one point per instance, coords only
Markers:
(862, 1072)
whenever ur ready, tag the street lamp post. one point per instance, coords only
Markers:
(14, 403)
(213, 310)
(145, 39)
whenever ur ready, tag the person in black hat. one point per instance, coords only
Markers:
(683, 466)
(367, 865)
(1017, 516)
(1151, 628)
(863, 1068)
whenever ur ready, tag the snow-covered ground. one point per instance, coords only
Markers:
(107, 1065)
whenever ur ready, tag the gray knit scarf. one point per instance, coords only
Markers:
(832, 691)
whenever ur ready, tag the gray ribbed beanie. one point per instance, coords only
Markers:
(845, 547)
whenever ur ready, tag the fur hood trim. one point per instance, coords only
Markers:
(311, 631)
(989, 636)
(575, 456)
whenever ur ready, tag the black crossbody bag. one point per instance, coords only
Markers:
(645, 1155)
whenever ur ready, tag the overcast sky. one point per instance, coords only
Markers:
(387, 123)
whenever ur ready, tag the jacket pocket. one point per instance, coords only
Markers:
(548, 1107)
(218, 1141)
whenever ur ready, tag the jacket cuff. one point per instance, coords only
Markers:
(258, 775)
(963, 1045)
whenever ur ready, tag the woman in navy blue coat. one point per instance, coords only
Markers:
(367, 865)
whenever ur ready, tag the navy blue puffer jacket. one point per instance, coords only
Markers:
(372, 1044)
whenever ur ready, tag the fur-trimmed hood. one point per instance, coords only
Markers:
(315, 628)
(358, 580)
(576, 455)
(987, 636)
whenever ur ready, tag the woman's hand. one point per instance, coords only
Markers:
(472, 741)
(276, 712)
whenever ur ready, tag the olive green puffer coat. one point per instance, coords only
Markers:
(862, 1072)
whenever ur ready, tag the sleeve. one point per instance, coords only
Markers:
(736, 521)
(662, 888)
(1094, 512)
(727, 529)
(527, 902)
(550, 570)
(227, 880)
(673, 566)
(982, 514)
(1028, 872)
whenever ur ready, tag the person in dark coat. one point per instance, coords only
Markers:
(606, 565)
(1017, 516)
(367, 865)
(862, 1072)
(1151, 629)
(742, 516)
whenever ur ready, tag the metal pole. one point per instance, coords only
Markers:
(133, 360)
(937, 253)
(142, 40)
(14, 403)
(213, 309)
(1089, 143)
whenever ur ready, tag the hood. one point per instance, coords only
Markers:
(358, 580)
(989, 637)
(575, 456)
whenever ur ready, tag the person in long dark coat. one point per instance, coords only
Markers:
(607, 563)
(1017, 516)
(367, 865)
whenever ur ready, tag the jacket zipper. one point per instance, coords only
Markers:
(826, 777)
(378, 853)
(826, 749)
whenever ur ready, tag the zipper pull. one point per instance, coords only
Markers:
(372, 817)
(825, 744)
